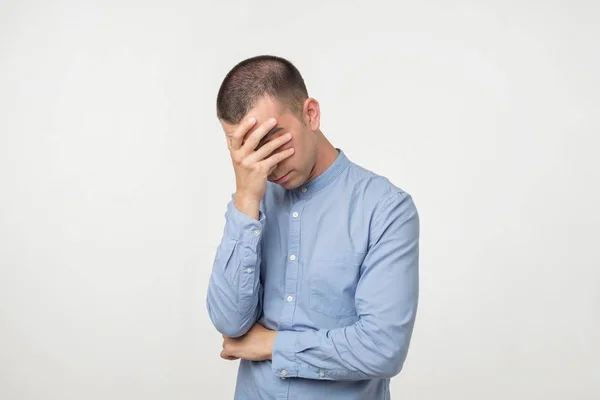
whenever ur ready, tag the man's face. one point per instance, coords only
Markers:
(296, 169)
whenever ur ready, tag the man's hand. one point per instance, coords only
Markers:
(252, 166)
(255, 345)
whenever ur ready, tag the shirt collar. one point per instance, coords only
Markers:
(328, 176)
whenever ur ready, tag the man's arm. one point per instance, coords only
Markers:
(386, 303)
(234, 292)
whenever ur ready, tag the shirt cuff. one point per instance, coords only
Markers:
(284, 361)
(242, 227)
(286, 348)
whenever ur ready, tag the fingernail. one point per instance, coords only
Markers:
(251, 120)
(272, 120)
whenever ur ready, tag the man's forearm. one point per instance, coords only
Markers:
(349, 353)
(255, 345)
(247, 205)
(234, 292)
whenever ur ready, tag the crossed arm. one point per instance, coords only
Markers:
(386, 303)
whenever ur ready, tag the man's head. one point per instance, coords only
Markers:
(266, 87)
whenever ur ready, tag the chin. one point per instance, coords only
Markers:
(293, 183)
(286, 185)
(289, 184)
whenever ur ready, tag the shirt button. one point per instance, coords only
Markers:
(283, 372)
(249, 270)
(256, 232)
(295, 215)
(321, 373)
(292, 257)
(304, 190)
(290, 298)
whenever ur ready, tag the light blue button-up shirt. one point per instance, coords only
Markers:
(333, 267)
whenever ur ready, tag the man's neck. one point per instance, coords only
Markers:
(326, 155)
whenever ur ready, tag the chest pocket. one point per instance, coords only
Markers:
(333, 284)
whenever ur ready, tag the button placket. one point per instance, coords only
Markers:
(291, 267)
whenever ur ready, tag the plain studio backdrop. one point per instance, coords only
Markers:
(114, 178)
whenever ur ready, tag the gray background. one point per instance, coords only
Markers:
(114, 176)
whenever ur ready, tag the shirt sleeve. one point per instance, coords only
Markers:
(234, 293)
(386, 300)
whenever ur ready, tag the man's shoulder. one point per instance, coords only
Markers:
(372, 186)
(378, 198)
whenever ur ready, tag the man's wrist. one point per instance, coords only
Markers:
(270, 345)
(247, 205)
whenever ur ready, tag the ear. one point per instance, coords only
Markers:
(312, 114)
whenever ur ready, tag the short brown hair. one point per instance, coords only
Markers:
(256, 77)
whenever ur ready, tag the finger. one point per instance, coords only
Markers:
(255, 137)
(269, 148)
(226, 355)
(237, 137)
(226, 342)
(277, 158)
(271, 170)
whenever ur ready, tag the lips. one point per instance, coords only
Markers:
(281, 179)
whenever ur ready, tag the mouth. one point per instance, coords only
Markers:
(281, 180)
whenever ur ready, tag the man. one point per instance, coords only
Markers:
(315, 282)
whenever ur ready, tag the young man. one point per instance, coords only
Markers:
(315, 282)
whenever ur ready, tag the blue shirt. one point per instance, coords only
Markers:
(333, 267)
